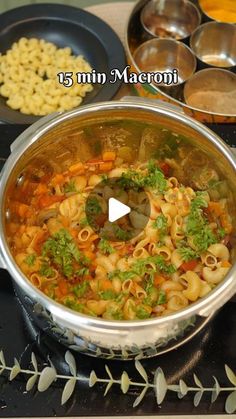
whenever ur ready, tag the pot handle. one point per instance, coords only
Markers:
(156, 102)
(32, 129)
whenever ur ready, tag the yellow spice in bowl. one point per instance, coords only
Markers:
(220, 10)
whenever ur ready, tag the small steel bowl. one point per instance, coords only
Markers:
(170, 18)
(165, 55)
(218, 11)
(212, 90)
(214, 43)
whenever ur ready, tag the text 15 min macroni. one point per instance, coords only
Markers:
(166, 77)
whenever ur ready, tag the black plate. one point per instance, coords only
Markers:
(65, 26)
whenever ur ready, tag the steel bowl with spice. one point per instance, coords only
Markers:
(133, 39)
(83, 333)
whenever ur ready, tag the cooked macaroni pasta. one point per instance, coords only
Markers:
(178, 258)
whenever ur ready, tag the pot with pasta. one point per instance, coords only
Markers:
(127, 286)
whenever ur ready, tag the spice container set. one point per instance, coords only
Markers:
(163, 35)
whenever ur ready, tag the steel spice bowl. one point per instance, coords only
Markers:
(94, 336)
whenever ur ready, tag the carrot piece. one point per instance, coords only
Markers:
(77, 169)
(109, 155)
(63, 287)
(45, 201)
(88, 243)
(189, 266)
(105, 284)
(39, 241)
(216, 208)
(23, 210)
(226, 264)
(58, 179)
(41, 189)
(226, 222)
(89, 254)
(66, 222)
(94, 161)
(58, 293)
(158, 279)
(165, 168)
(93, 237)
(106, 166)
(73, 231)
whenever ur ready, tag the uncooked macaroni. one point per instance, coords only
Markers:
(28, 77)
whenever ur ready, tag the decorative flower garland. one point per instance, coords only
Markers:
(48, 375)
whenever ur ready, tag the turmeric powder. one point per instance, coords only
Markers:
(222, 11)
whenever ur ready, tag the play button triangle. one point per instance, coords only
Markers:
(116, 210)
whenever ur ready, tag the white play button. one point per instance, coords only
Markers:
(116, 210)
(109, 217)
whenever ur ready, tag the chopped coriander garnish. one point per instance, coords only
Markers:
(93, 207)
(70, 187)
(154, 178)
(221, 233)
(46, 270)
(131, 180)
(82, 271)
(107, 295)
(141, 267)
(149, 284)
(83, 222)
(30, 259)
(152, 294)
(142, 313)
(120, 233)
(74, 305)
(122, 275)
(114, 313)
(63, 252)
(199, 202)
(161, 224)
(105, 247)
(81, 289)
(187, 253)
(197, 226)
(161, 297)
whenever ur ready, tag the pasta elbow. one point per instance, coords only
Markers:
(214, 276)
(193, 290)
(220, 251)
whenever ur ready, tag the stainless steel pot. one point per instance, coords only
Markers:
(95, 336)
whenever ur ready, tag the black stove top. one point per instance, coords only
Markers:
(205, 355)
